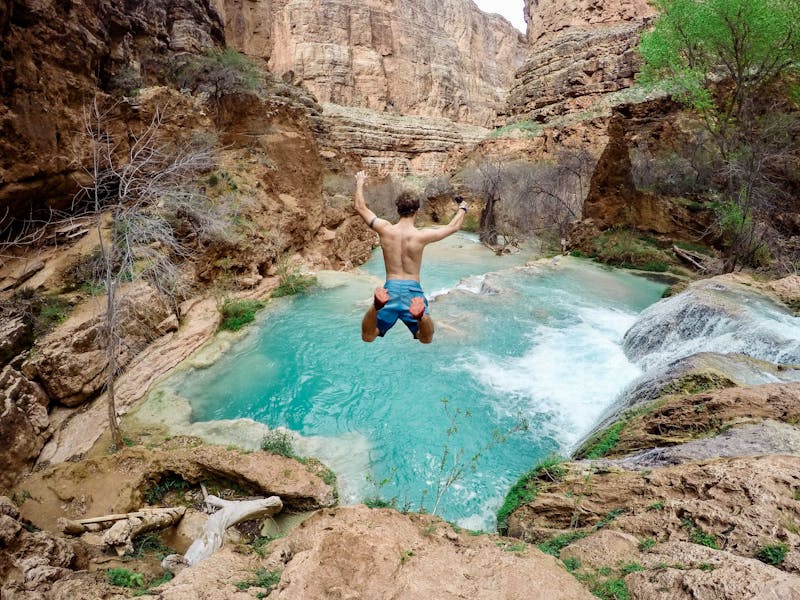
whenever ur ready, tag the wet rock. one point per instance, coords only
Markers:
(760, 439)
(714, 316)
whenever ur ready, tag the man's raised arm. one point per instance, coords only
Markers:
(370, 218)
(434, 235)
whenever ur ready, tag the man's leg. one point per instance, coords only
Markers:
(369, 324)
(417, 310)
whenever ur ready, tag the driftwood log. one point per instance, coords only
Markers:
(229, 514)
(120, 529)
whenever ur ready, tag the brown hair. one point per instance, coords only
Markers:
(407, 203)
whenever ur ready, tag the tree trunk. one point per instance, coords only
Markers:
(488, 228)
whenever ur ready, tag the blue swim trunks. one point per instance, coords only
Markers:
(401, 292)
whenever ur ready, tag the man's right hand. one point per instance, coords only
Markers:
(361, 177)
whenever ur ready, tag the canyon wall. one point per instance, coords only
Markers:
(436, 58)
(578, 52)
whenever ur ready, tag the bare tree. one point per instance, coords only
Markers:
(128, 189)
(485, 179)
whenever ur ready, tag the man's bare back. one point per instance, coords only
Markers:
(402, 245)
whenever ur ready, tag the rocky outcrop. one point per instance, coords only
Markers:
(578, 51)
(24, 425)
(397, 145)
(55, 57)
(118, 483)
(436, 58)
(356, 552)
(71, 363)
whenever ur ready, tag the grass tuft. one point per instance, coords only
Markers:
(262, 578)
(773, 555)
(238, 313)
(527, 487)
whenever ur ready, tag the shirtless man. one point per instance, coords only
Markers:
(402, 244)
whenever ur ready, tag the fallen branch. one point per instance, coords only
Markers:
(690, 257)
(120, 535)
(230, 513)
(94, 524)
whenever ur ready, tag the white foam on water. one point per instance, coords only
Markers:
(565, 379)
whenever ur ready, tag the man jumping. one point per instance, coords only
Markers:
(402, 244)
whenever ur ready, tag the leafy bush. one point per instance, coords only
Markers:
(238, 313)
(219, 72)
(773, 555)
(378, 502)
(262, 578)
(553, 546)
(611, 589)
(169, 483)
(124, 578)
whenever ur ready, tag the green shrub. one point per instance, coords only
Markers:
(631, 567)
(124, 578)
(219, 72)
(604, 442)
(611, 589)
(572, 564)
(646, 544)
(527, 487)
(169, 483)
(527, 129)
(279, 442)
(262, 578)
(378, 502)
(553, 546)
(698, 536)
(773, 555)
(238, 313)
(150, 543)
(625, 248)
(291, 281)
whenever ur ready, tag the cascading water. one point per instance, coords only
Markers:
(712, 316)
(539, 344)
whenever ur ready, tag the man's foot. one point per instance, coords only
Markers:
(417, 308)
(381, 298)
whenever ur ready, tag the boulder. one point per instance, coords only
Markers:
(24, 425)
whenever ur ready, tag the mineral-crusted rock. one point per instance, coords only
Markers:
(356, 552)
(117, 484)
(16, 335)
(399, 145)
(684, 571)
(740, 503)
(439, 58)
(24, 424)
(577, 51)
(760, 439)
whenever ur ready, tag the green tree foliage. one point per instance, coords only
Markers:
(751, 43)
(219, 72)
(734, 62)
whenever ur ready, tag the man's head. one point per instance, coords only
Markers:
(407, 203)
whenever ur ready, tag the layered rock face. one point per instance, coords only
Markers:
(54, 57)
(578, 51)
(438, 58)
(396, 145)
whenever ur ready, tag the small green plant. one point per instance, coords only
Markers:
(611, 589)
(708, 567)
(238, 313)
(773, 555)
(150, 543)
(278, 441)
(405, 556)
(698, 536)
(656, 506)
(519, 547)
(291, 281)
(260, 543)
(428, 530)
(378, 502)
(572, 564)
(124, 578)
(796, 494)
(631, 567)
(613, 514)
(169, 483)
(646, 544)
(526, 129)
(624, 248)
(606, 442)
(262, 578)
(527, 487)
(553, 546)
